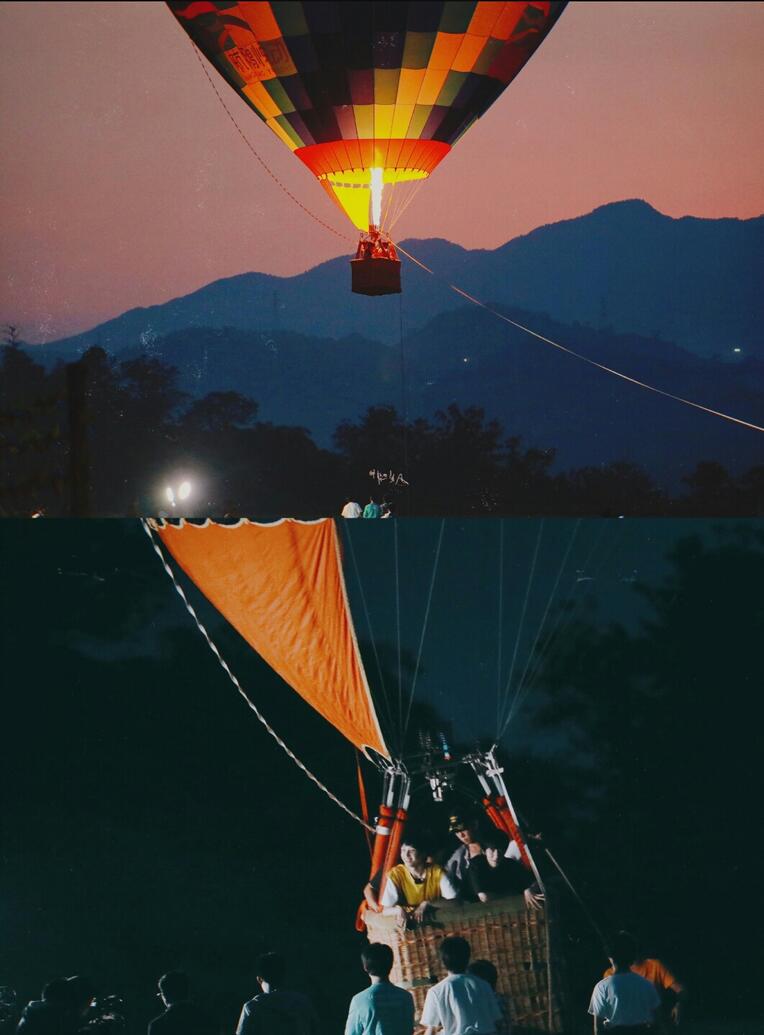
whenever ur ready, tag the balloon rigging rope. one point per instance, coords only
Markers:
(260, 717)
(579, 355)
(521, 690)
(425, 623)
(564, 618)
(500, 636)
(398, 629)
(372, 637)
(262, 161)
(521, 623)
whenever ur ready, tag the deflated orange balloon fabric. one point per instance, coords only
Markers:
(368, 93)
(282, 589)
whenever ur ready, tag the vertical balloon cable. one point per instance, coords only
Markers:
(376, 196)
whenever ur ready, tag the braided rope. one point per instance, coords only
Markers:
(260, 717)
(580, 355)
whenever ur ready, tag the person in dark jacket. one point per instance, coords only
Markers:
(492, 874)
(48, 1015)
(181, 1016)
(276, 1010)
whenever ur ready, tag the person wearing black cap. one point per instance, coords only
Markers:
(508, 873)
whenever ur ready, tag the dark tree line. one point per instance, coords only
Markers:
(657, 818)
(140, 429)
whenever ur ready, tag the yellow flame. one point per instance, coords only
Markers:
(376, 196)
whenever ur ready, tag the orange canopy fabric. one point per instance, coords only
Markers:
(282, 589)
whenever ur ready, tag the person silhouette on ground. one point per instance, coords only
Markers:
(181, 1016)
(383, 1008)
(624, 1001)
(461, 1002)
(276, 1010)
(50, 1014)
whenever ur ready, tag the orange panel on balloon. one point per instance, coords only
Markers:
(429, 153)
(281, 587)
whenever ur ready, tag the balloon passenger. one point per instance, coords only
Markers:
(471, 851)
(351, 509)
(414, 884)
(492, 874)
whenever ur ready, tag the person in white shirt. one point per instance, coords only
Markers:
(624, 1001)
(460, 1004)
(351, 509)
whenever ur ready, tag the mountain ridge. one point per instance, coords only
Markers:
(624, 265)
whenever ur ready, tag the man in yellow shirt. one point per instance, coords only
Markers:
(414, 884)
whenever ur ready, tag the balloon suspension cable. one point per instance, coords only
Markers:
(568, 883)
(578, 355)
(261, 160)
(488, 771)
(147, 527)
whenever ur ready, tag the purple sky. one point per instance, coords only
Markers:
(124, 183)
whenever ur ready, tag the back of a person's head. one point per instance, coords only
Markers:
(79, 992)
(271, 967)
(377, 959)
(484, 969)
(623, 949)
(174, 986)
(56, 992)
(455, 953)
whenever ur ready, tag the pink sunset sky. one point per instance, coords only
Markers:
(124, 183)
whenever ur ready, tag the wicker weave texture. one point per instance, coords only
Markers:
(513, 938)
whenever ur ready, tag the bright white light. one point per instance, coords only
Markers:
(376, 196)
(170, 495)
(737, 350)
(184, 491)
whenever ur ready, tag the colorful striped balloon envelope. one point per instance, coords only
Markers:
(368, 94)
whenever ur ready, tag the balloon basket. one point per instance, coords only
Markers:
(515, 939)
(375, 276)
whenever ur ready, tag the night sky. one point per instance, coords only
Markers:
(151, 823)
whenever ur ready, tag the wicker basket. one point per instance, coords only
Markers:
(513, 938)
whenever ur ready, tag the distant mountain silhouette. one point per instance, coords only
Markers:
(625, 266)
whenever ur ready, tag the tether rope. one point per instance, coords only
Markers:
(576, 895)
(262, 161)
(458, 290)
(258, 714)
(579, 355)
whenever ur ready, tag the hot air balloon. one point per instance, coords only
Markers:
(369, 96)
(282, 586)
